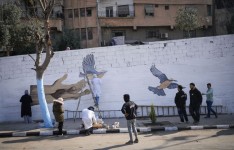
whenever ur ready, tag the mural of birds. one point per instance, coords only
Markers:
(88, 66)
(164, 82)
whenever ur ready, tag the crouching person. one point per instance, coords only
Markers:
(88, 118)
(58, 111)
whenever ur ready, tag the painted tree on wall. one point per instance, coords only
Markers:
(187, 20)
(43, 43)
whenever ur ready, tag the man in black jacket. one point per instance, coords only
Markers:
(195, 103)
(129, 110)
(180, 101)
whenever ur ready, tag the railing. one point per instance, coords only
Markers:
(144, 110)
(116, 14)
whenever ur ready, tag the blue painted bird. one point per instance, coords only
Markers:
(164, 82)
(88, 65)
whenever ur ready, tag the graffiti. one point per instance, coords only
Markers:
(164, 82)
(57, 89)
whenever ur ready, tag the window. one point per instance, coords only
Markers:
(209, 10)
(123, 11)
(83, 34)
(192, 34)
(149, 10)
(88, 12)
(152, 34)
(76, 12)
(118, 33)
(90, 33)
(109, 11)
(82, 12)
(167, 7)
(69, 13)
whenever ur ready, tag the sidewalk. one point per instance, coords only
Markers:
(143, 125)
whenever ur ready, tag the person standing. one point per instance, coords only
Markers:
(195, 103)
(58, 112)
(180, 101)
(26, 111)
(88, 118)
(209, 101)
(96, 87)
(129, 110)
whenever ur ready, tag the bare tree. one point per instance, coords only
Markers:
(43, 43)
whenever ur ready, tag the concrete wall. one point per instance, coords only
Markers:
(198, 60)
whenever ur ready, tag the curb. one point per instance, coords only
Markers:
(120, 130)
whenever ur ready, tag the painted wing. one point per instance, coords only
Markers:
(159, 92)
(172, 86)
(88, 64)
(157, 73)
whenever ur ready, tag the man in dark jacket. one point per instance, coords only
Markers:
(26, 111)
(129, 110)
(195, 103)
(180, 101)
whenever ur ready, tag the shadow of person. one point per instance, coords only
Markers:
(224, 133)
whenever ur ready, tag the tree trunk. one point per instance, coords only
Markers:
(43, 104)
(189, 34)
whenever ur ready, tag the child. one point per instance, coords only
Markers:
(58, 113)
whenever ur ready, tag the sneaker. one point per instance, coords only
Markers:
(87, 133)
(136, 141)
(60, 135)
(129, 142)
(196, 122)
(187, 122)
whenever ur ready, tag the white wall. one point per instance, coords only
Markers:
(198, 60)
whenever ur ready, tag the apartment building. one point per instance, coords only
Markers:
(81, 15)
(149, 20)
(98, 21)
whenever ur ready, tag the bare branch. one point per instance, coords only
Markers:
(42, 3)
(31, 57)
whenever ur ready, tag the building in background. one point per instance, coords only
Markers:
(149, 20)
(224, 17)
(98, 22)
(81, 15)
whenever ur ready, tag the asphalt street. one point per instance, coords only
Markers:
(192, 139)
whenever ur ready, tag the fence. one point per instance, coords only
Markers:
(144, 110)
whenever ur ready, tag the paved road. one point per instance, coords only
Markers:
(191, 139)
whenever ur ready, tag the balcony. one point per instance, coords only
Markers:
(114, 14)
(116, 18)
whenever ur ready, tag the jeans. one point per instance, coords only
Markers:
(27, 119)
(132, 127)
(97, 100)
(209, 108)
(182, 113)
(195, 112)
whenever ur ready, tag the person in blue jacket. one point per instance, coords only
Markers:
(209, 101)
